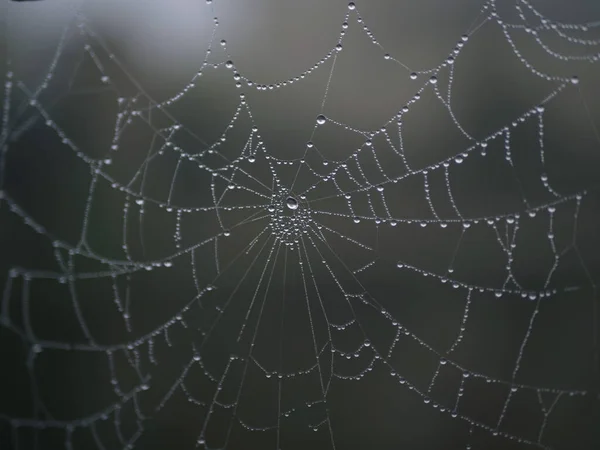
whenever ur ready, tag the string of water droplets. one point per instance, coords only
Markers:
(294, 226)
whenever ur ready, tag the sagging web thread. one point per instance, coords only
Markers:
(294, 225)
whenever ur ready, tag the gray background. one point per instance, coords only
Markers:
(161, 45)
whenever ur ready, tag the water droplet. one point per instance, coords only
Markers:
(433, 79)
(575, 79)
(223, 42)
(226, 233)
(339, 47)
(292, 203)
(387, 56)
(351, 6)
(321, 119)
(229, 64)
(413, 76)
(356, 220)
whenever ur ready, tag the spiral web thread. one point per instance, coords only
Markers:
(294, 231)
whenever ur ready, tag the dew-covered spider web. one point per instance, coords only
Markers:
(302, 226)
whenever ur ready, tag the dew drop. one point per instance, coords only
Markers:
(321, 119)
(351, 6)
(292, 203)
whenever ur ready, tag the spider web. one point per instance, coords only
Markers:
(419, 282)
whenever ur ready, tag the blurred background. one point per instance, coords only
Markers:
(146, 304)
